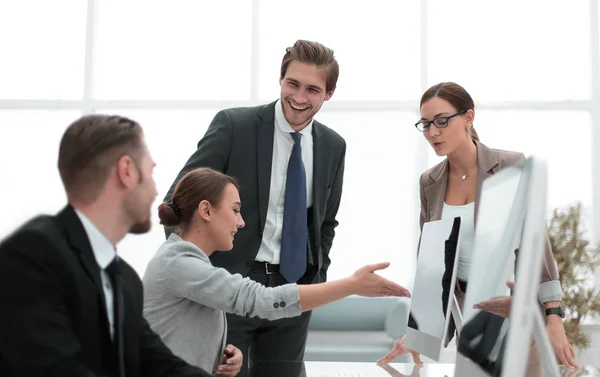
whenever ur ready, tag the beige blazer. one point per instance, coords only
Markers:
(432, 185)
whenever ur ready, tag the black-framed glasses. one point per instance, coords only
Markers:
(439, 122)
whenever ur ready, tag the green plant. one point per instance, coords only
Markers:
(576, 260)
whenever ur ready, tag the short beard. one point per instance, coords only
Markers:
(141, 227)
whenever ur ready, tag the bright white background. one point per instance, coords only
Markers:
(532, 67)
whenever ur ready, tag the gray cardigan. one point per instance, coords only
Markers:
(186, 297)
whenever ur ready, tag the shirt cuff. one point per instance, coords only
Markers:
(550, 291)
(285, 302)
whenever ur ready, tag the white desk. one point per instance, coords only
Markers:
(338, 369)
(342, 369)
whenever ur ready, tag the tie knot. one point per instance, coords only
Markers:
(297, 137)
(113, 267)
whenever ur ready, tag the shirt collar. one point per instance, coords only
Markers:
(104, 251)
(282, 124)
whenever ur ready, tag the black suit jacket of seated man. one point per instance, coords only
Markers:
(53, 319)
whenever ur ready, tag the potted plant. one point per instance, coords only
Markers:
(577, 261)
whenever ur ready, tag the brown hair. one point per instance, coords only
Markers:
(313, 53)
(90, 147)
(456, 95)
(195, 186)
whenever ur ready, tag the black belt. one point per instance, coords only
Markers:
(463, 285)
(265, 267)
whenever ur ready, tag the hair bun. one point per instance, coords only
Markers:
(169, 214)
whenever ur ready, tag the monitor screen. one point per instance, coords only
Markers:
(434, 278)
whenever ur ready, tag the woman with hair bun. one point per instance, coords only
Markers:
(186, 297)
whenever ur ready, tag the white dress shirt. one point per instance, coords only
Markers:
(548, 291)
(104, 253)
(467, 235)
(283, 143)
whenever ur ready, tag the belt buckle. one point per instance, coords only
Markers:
(267, 269)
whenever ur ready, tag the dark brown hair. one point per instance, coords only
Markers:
(456, 95)
(90, 147)
(313, 53)
(195, 186)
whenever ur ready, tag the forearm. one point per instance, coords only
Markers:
(315, 295)
(267, 302)
(190, 277)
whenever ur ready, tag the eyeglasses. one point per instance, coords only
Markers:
(440, 122)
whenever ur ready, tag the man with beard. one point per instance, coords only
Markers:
(70, 306)
(290, 168)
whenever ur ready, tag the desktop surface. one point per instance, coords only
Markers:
(350, 369)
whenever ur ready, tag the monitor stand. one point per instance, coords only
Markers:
(456, 313)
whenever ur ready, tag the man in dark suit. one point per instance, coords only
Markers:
(69, 305)
(290, 168)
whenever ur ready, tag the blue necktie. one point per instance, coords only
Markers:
(294, 234)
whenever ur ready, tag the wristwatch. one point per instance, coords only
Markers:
(557, 310)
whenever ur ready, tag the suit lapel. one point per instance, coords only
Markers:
(436, 192)
(78, 239)
(265, 130)
(320, 156)
(487, 161)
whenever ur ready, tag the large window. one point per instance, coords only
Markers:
(511, 50)
(176, 50)
(173, 64)
(43, 49)
(377, 46)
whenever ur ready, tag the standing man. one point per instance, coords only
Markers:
(290, 168)
(69, 306)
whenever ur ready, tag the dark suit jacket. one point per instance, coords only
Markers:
(239, 142)
(53, 318)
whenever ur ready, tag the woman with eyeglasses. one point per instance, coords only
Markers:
(451, 189)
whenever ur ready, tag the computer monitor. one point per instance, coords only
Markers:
(511, 217)
(426, 333)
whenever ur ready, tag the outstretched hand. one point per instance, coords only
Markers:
(367, 283)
